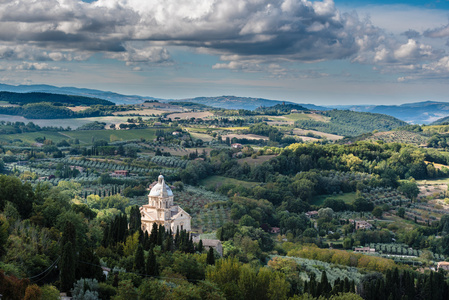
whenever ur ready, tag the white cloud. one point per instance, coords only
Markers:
(35, 66)
(141, 55)
(248, 35)
(441, 32)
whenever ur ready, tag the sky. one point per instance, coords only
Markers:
(331, 52)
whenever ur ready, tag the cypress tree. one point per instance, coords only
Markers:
(67, 267)
(153, 235)
(151, 265)
(68, 235)
(146, 241)
(312, 286)
(338, 287)
(90, 268)
(113, 231)
(346, 285)
(352, 287)
(139, 260)
(199, 248)
(168, 243)
(324, 286)
(177, 239)
(160, 234)
(123, 227)
(210, 260)
(134, 219)
(191, 245)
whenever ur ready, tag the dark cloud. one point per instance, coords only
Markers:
(242, 32)
(411, 34)
(442, 32)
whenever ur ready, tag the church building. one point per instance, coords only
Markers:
(161, 210)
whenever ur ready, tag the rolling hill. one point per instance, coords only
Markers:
(414, 113)
(36, 97)
(441, 121)
(351, 123)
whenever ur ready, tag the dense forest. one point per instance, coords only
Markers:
(46, 110)
(35, 97)
(290, 216)
(350, 123)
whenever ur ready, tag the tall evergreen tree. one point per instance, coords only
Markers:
(139, 260)
(177, 241)
(168, 242)
(146, 241)
(151, 264)
(191, 245)
(135, 223)
(153, 235)
(324, 286)
(89, 265)
(160, 234)
(67, 267)
(210, 260)
(68, 235)
(199, 248)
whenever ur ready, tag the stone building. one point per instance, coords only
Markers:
(161, 210)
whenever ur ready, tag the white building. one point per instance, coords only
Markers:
(161, 210)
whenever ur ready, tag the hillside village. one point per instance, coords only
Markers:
(186, 201)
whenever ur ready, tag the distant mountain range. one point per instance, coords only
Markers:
(233, 102)
(414, 113)
(42, 88)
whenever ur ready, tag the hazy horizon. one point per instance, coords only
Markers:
(320, 52)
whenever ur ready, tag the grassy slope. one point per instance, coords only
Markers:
(85, 136)
(346, 197)
(30, 137)
(216, 180)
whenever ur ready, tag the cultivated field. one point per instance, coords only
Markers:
(72, 123)
(302, 133)
(202, 136)
(217, 181)
(400, 136)
(189, 115)
(298, 116)
(78, 108)
(30, 137)
(244, 136)
(141, 112)
(256, 161)
(85, 136)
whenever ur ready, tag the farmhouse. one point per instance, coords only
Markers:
(312, 214)
(362, 225)
(443, 265)
(209, 243)
(120, 173)
(365, 250)
(161, 210)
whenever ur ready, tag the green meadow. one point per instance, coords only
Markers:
(346, 197)
(84, 136)
(214, 181)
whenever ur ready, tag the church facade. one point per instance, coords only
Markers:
(162, 211)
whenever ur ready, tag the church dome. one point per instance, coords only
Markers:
(161, 189)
